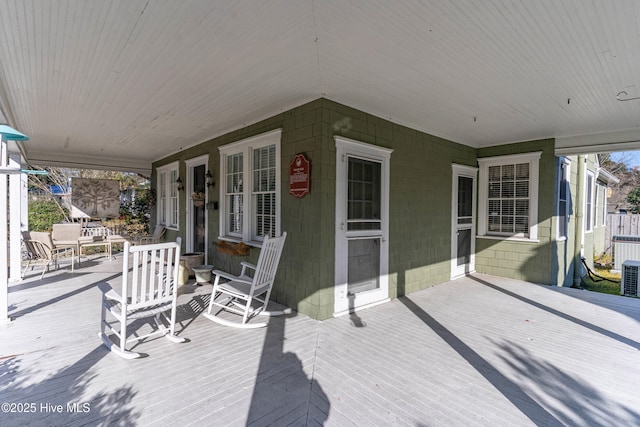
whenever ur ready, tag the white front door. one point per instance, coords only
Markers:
(463, 224)
(362, 225)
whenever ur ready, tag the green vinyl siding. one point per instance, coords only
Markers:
(420, 205)
(420, 200)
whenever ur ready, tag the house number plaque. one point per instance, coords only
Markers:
(299, 176)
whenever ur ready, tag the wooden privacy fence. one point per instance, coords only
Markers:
(620, 225)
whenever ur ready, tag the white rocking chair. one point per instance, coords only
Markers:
(149, 289)
(248, 295)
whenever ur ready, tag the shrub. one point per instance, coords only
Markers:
(139, 210)
(44, 213)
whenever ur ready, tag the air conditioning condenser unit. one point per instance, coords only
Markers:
(630, 276)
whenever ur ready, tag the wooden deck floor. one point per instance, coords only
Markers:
(477, 351)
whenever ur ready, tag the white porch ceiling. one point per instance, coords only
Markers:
(119, 84)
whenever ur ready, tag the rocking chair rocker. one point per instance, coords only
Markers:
(247, 295)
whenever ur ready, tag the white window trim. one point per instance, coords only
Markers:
(246, 147)
(567, 163)
(167, 170)
(588, 226)
(534, 166)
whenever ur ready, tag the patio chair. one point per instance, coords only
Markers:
(67, 236)
(152, 238)
(247, 295)
(150, 289)
(39, 250)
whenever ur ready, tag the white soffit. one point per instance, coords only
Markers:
(139, 80)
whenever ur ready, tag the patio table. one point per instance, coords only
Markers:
(116, 238)
(86, 241)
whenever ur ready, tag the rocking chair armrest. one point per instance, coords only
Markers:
(228, 276)
(246, 265)
(109, 293)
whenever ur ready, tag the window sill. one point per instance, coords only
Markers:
(511, 239)
(253, 244)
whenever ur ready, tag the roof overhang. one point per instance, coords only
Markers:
(625, 140)
(89, 162)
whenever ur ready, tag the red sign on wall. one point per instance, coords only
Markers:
(299, 176)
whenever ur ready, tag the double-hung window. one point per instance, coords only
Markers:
(250, 175)
(167, 195)
(564, 197)
(508, 196)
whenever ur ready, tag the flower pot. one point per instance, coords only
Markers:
(192, 259)
(203, 273)
(183, 274)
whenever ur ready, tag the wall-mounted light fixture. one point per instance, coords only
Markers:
(180, 184)
(210, 181)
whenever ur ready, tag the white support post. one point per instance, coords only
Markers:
(15, 205)
(24, 202)
(4, 267)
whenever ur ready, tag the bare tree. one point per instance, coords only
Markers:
(613, 166)
(55, 177)
(629, 180)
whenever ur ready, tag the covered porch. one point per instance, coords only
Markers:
(121, 85)
(104, 84)
(480, 350)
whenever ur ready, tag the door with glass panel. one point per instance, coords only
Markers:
(198, 217)
(196, 234)
(463, 220)
(362, 211)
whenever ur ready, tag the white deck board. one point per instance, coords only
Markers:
(479, 351)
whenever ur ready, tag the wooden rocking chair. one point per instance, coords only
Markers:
(149, 289)
(248, 295)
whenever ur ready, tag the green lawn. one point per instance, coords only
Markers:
(608, 283)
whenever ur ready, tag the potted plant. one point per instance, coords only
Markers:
(198, 199)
